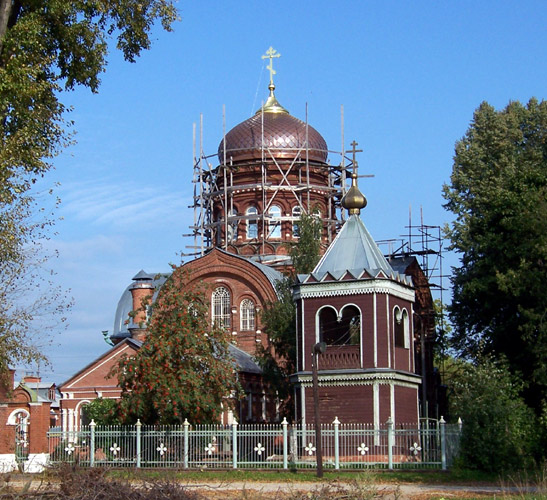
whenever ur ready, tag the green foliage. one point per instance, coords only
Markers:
(45, 46)
(31, 305)
(305, 253)
(278, 360)
(102, 411)
(498, 194)
(184, 369)
(498, 427)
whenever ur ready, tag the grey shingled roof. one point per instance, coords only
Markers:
(352, 250)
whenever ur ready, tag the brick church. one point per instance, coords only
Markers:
(270, 169)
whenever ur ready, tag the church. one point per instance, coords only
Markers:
(357, 304)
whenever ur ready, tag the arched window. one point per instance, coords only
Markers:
(401, 328)
(247, 315)
(274, 223)
(296, 214)
(344, 329)
(232, 226)
(252, 225)
(84, 418)
(221, 307)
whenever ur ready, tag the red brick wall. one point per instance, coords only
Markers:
(351, 404)
(406, 405)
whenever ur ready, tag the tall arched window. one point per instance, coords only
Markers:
(252, 225)
(274, 223)
(247, 315)
(401, 328)
(221, 307)
(296, 213)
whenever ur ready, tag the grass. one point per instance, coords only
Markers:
(75, 483)
(455, 476)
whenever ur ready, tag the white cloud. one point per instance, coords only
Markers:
(121, 204)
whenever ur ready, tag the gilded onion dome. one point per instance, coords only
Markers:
(281, 134)
(354, 200)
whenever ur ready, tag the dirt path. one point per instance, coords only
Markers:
(274, 491)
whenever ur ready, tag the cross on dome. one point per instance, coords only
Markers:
(270, 54)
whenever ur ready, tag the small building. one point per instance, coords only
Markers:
(25, 417)
(358, 312)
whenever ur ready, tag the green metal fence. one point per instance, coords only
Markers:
(281, 446)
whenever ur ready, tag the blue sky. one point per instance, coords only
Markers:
(409, 75)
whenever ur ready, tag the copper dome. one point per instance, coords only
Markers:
(284, 136)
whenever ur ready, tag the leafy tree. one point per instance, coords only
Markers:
(184, 369)
(31, 305)
(102, 411)
(498, 194)
(498, 427)
(305, 252)
(278, 359)
(47, 46)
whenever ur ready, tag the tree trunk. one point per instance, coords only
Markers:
(9, 12)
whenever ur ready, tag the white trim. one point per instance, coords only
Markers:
(298, 323)
(331, 378)
(303, 403)
(376, 411)
(11, 418)
(303, 338)
(375, 329)
(88, 372)
(359, 287)
(411, 360)
(392, 401)
(389, 353)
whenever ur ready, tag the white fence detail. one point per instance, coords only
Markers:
(275, 446)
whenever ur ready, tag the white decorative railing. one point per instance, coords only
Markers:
(281, 446)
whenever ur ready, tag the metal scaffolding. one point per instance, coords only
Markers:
(288, 176)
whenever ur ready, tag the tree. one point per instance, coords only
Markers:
(183, 369)
(498, 427)
(31, 305)
(278, 359)
(498, 194)
(306, 251)
(102, 411)
(45, 46)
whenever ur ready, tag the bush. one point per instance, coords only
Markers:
(498, 427)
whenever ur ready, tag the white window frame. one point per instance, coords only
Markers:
(247, 315)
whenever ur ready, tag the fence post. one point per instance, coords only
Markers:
(138, 427)
(336, 443)
(92, 443)
(185, 457)
(443, 443)
(234, 444)
(390, 437)
(285, 444)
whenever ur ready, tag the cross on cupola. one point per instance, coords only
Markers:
(353, 201)
(270, 54)
(272, 105)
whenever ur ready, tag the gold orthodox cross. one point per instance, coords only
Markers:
(270, 54)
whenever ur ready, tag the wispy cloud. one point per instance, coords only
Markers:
(116, 204)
